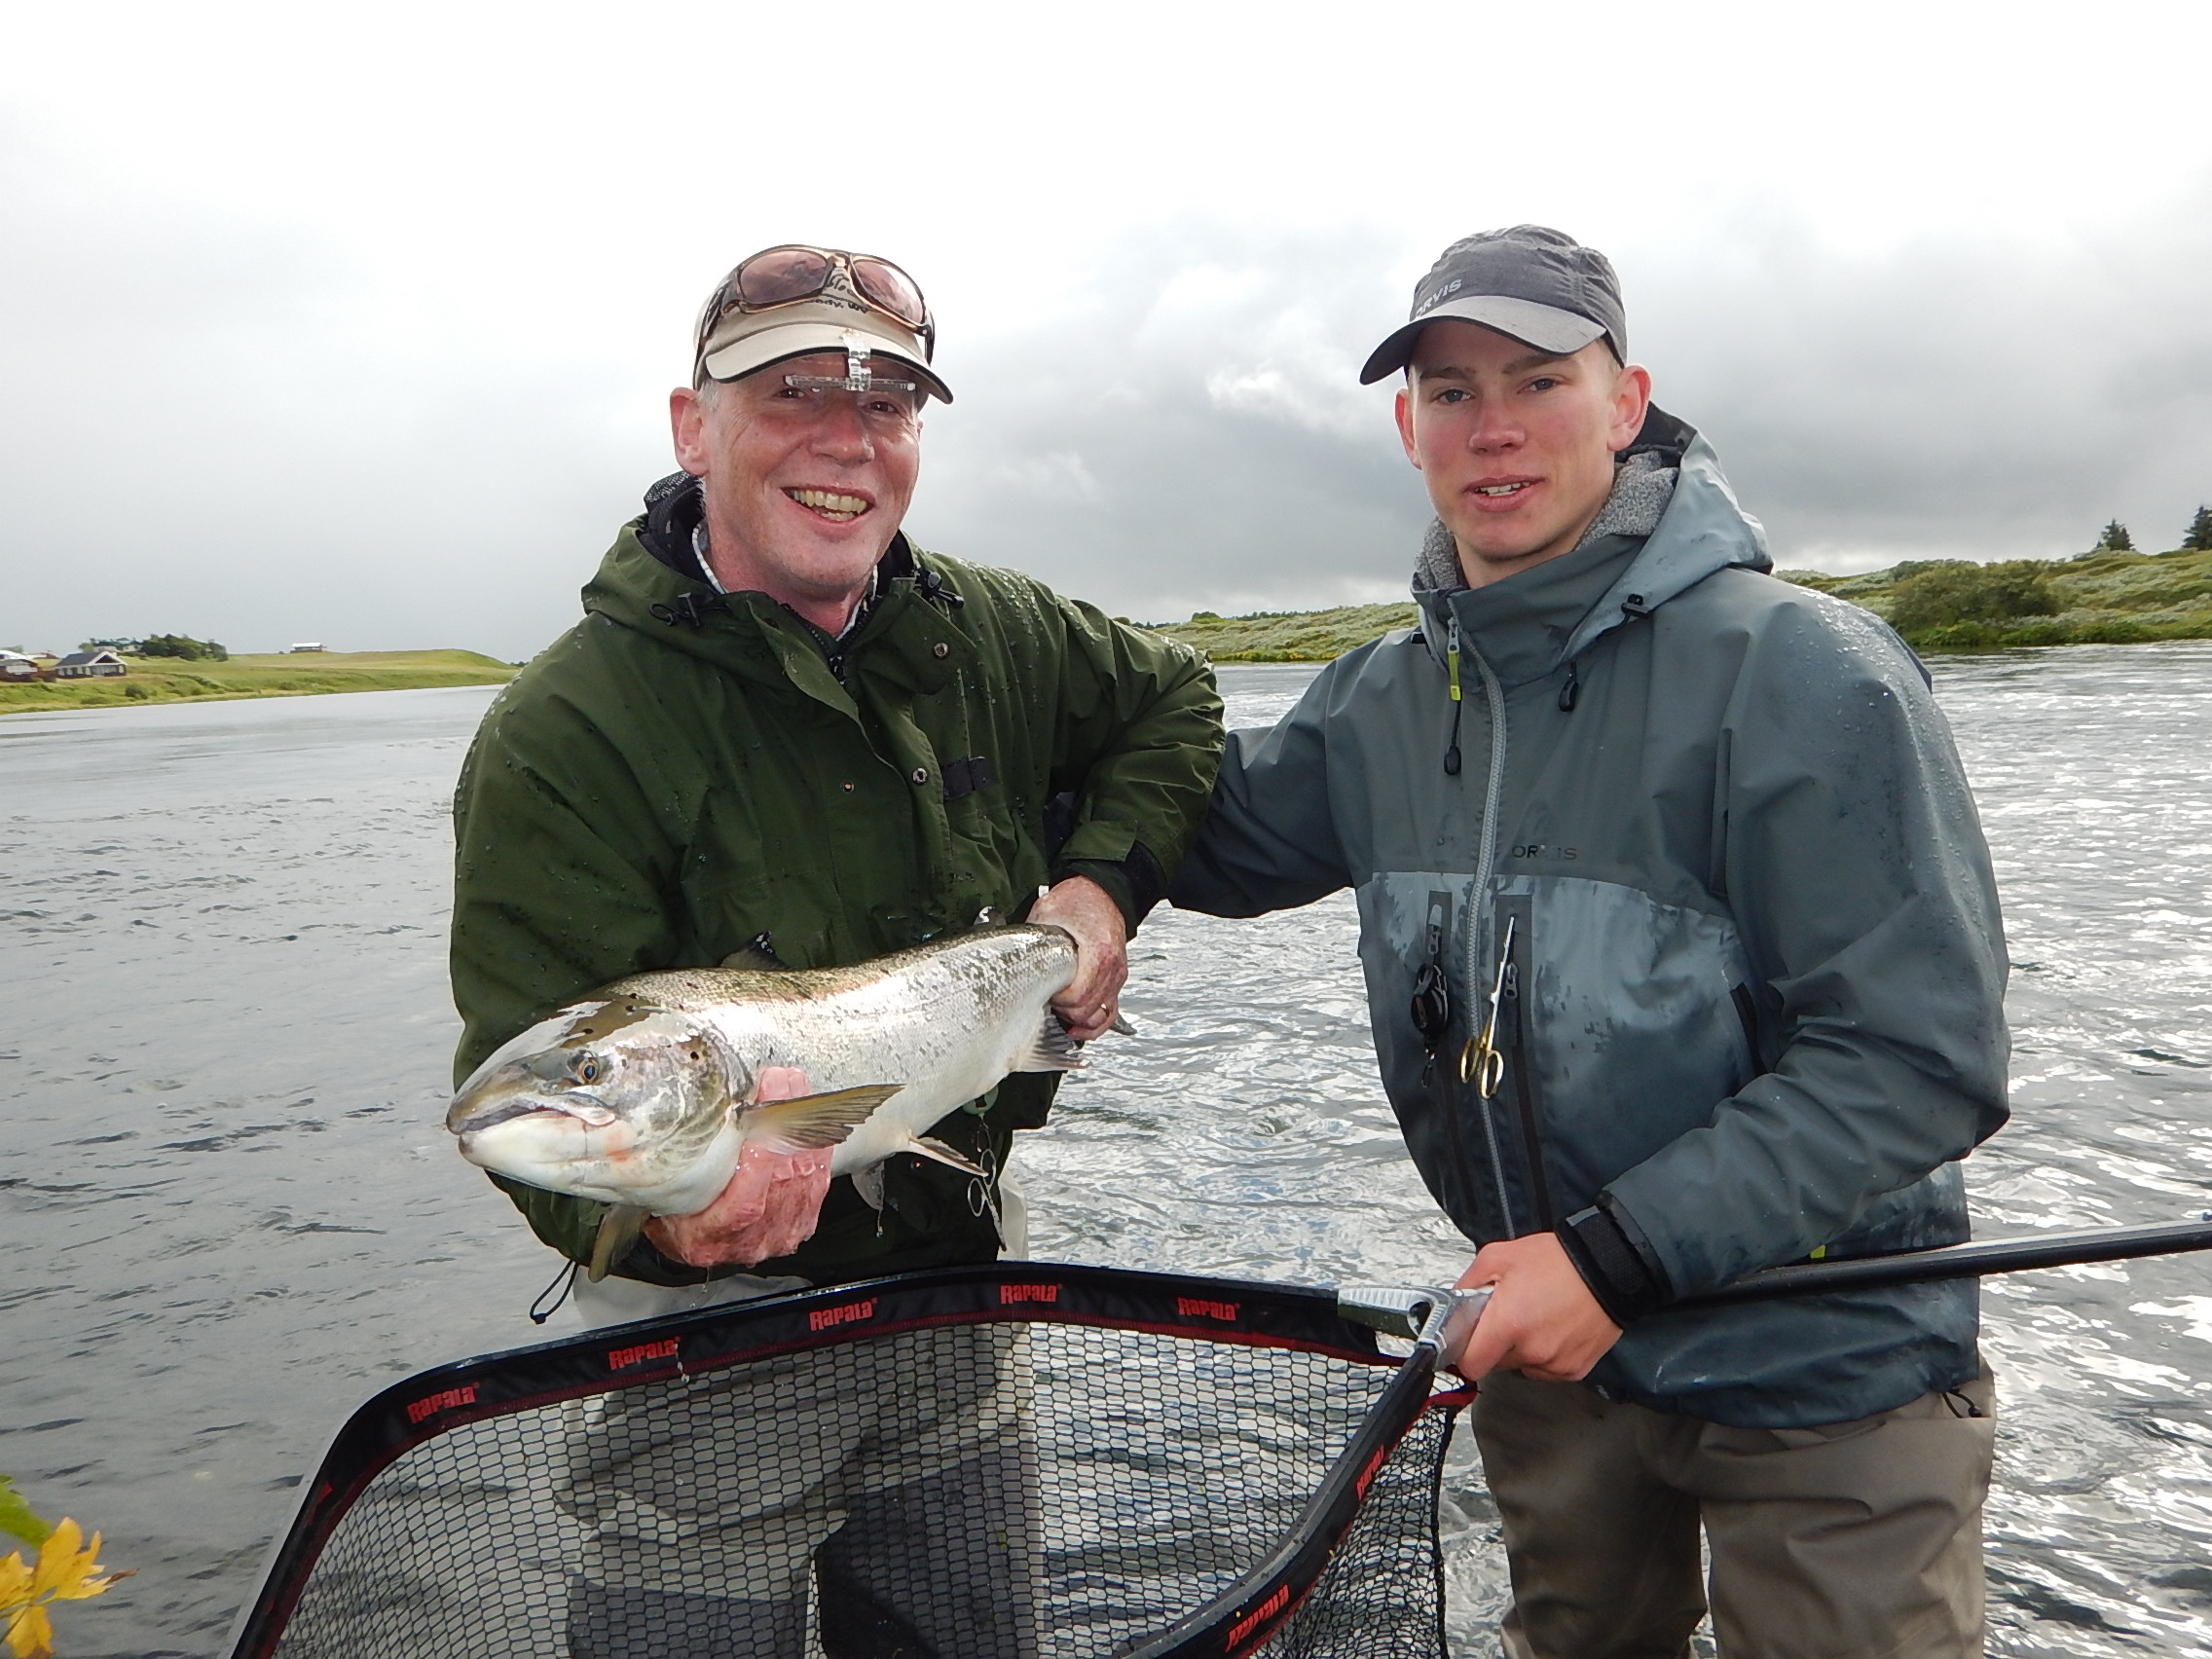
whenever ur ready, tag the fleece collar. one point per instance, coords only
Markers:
(1532, 624)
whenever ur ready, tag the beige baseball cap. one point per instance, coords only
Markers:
(732, 340)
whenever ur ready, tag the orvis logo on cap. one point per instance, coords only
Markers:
(1439, 297)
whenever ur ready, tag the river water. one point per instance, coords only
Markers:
(229, 1211)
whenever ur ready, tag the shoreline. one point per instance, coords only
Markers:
(167, 679)
(2100, 598)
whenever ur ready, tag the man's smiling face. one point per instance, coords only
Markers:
(804, 487)
(1515, 445)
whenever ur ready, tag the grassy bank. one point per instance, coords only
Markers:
(1938, 606)
(165, 679)
(1289, 636)
(2096, 599)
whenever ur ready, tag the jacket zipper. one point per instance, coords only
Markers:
(1486, 859)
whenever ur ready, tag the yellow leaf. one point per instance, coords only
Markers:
(66, 1572)
(31, 1633)
(15, 1583)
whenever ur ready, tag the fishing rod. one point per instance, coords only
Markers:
(1964, 1261)
(1444, 1318)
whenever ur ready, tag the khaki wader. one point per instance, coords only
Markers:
(1852, 1540)
(896, 1473)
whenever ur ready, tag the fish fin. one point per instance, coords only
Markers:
(814, 1120)
(927, 1147)
(1051, 1049)
(757, 955)
(618, 1229)
(1122, 1026)
(868, 1183)
(988, 917)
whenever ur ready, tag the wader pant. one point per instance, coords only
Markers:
(1853, 1540)
(898, 1472)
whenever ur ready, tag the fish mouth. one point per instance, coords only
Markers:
(467, 1118)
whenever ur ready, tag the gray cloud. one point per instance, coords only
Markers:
(212, 428)
(224, 426)
(1192, 433)
(1973, 399)
(1194, 437)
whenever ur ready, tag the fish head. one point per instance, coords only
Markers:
(600, 1099)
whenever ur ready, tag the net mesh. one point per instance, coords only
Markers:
(990, 1490)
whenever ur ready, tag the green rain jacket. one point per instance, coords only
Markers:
(1754, 1007)
(684, 772)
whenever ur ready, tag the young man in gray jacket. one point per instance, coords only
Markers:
(1683, 960)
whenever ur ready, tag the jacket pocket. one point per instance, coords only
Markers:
(1635, 1032)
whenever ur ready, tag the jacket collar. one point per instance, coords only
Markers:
(650, 583)
(1529, 625)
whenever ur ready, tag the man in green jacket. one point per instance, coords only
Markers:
(1683, 960)
(782, 727)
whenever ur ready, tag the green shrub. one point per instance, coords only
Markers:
(2114, 631)
(183, 646)
(1941, 594)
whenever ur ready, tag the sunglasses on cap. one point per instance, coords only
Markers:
(789, 274)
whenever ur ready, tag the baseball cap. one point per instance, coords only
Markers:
(1537, 285)
(859, 305)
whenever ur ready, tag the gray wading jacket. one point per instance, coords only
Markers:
(1755, 997)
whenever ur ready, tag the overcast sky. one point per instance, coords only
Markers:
(357, 323)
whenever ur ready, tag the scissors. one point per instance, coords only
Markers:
(1482, 1062)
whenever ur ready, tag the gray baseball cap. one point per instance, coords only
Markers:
(1536, 283)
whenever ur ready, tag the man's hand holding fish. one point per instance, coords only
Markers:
(1093, 1000)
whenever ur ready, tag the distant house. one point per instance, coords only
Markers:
(310, 646)
(14, 665)
(85, 665)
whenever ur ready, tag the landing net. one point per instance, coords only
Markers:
(1006, 1462)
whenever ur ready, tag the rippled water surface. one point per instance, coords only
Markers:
(229, 1212)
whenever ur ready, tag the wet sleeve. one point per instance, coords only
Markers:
(1270, 840)
(1854, 861)
(1136, 743)
(559, 871)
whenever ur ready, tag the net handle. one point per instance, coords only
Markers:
(1243, 1618)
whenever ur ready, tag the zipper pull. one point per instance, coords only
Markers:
(1451, 657)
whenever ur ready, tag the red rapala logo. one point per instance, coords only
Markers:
(464, 1395)
(1010, 1294)
(1241, 1631)
(1199, 1307)
(851, 1313)
(618, 1358)
(1368, 1474)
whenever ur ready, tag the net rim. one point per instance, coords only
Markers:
(606, 1360)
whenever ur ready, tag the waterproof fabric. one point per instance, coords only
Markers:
(1752, 907)
(684, 772)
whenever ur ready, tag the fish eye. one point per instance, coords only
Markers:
(588, 1069)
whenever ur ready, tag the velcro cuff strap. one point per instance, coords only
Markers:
(1625, 1284)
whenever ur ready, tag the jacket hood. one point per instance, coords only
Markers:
(1703, 530)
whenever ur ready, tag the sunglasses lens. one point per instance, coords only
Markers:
(891, 289)
(781, 274)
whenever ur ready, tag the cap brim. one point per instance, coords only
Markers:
(765, 345)
(1545, 327)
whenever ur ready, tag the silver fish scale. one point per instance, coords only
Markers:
(946, 1020)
